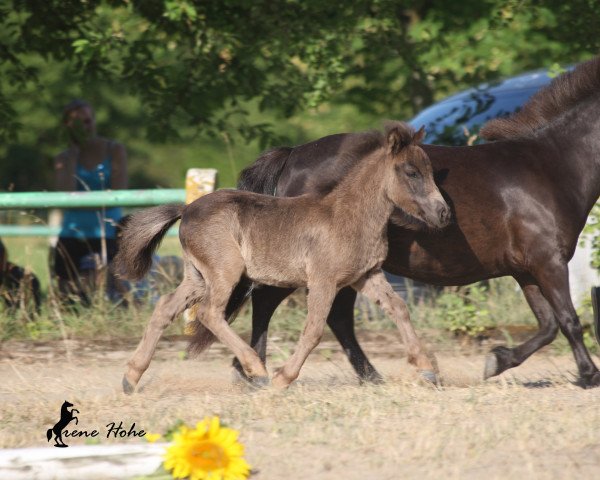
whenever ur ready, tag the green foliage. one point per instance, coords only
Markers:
(208, 83)
(592, 230)
(464, 311)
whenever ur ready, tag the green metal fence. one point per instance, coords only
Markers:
(95, 199)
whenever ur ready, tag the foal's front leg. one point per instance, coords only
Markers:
(320, 298)
(376, 287)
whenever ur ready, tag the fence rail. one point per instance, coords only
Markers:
(95, 199)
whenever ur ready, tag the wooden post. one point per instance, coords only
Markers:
(198, 182)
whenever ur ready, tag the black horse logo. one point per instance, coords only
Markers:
(65, 418)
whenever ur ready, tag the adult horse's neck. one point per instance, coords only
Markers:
(576, 135)
(359, 200)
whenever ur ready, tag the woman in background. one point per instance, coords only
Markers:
(87, 237)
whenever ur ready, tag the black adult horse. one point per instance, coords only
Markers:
(519, 204)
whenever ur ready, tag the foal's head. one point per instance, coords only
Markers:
(410, 186)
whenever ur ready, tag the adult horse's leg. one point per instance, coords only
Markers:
(377, 289)
(554, 283)
(265, 301)
(320, 298)
(553, 280)
(502, 358)
(167, 308)
(341, 322)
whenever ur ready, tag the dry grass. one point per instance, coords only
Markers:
(529, 422)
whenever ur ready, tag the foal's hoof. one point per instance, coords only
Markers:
(240, 378)
(260, 382)
(430, 376)
(280, 382)
(128, 388)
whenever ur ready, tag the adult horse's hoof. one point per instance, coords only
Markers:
(373, 378)
(491, 366)
(592, 381)
(238, 377)
(430, 376)
(498, 360)
(128, 388)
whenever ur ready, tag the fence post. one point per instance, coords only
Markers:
(198, 182)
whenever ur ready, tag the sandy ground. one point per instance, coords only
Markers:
(531, 422)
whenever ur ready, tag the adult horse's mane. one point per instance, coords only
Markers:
(563, 93)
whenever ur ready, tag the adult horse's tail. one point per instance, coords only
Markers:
(49, 434)
(260, 177)
(140, 237)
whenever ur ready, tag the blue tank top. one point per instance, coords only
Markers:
(88, 223)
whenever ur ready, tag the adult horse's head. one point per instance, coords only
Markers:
(411, 186)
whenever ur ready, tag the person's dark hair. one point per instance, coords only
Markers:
(75, 104)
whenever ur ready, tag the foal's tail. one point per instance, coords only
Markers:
(140, 237)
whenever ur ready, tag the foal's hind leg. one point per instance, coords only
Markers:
(320, 298)
(167, 309)
(265, 301)
(221, 282)
(376, 287)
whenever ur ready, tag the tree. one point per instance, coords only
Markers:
(226, 67)
(199, 62)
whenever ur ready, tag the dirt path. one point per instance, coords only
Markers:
(530, 422)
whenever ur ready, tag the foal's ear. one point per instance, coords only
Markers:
(399, 136)
(419, 136)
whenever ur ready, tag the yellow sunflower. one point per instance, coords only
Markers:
(208, 452)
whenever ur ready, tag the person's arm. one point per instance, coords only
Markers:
(119, 178)
(64, 172)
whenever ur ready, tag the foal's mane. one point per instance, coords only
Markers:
(357, 146)
(563, 93)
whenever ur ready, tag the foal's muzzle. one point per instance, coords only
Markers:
(438, 214)
(444, 215)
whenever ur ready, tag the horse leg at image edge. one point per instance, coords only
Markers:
(553, 283)
(377, 289)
